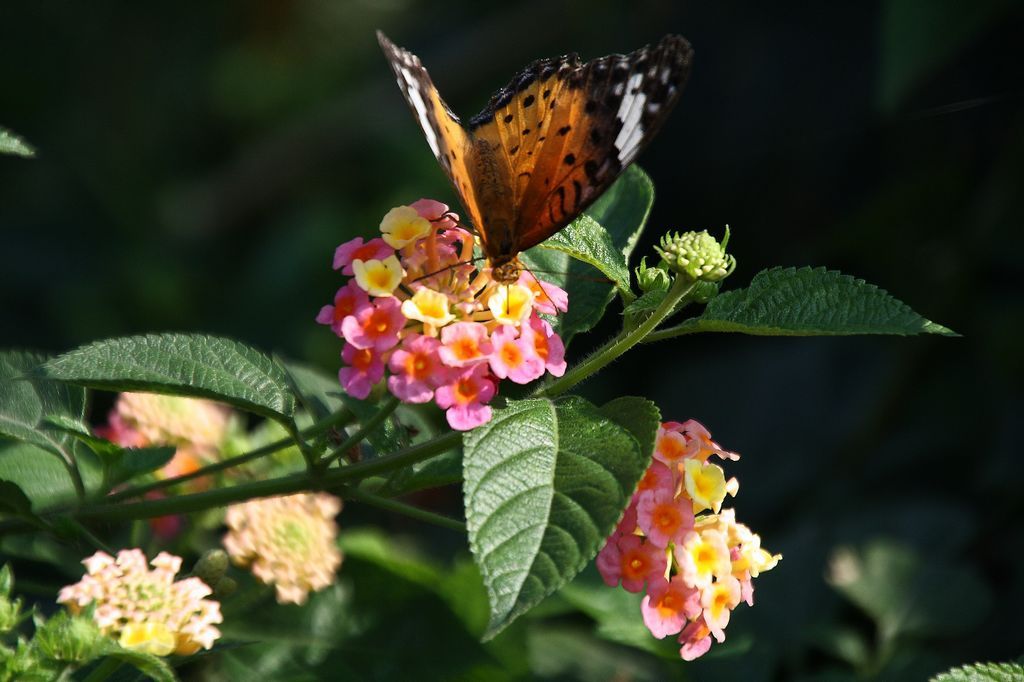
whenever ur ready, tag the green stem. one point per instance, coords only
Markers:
(324, 424)
(352, 493)
(285, 485)
(607, 354)
(385, 410)
(682, 329)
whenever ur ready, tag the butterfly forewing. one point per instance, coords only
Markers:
(610, 110)
(448, 140)
(549, 143)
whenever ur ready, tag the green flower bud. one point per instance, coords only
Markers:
(9, 613)
(652, 279)
(224, 588)
(211, 566)
(70, 639)
(23, 664)
(697, 255)
(6, 581)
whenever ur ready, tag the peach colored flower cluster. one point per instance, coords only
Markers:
(418, 309)
(196, 427)
(145, 609)
(696, 561)
(288, 542)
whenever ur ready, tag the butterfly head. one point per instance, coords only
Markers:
(506, 272)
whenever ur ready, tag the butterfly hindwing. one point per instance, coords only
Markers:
(595, 120)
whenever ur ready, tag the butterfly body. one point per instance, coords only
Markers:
(549, 143)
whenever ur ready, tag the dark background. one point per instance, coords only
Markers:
(198, 162)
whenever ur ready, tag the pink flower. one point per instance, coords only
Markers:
(668, 605)
(433, 211)
(672, 446)
(696, 432)
(628, 523)
(547, 344)
(465, 343)
(657, 477)
(365, 368)
(375, 249)
(663, 518)
(349, 300)
(631, 560)
(375, 325)
(548, 298)
(696, 640)
(514, 356)
(464, 399)
(416, 369)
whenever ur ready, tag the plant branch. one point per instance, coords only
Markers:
(681, 288)
(285, 485)
(353, 493)
(385, 411)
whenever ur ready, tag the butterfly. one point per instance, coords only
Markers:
(549, 143)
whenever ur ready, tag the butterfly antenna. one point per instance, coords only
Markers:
(449, 267)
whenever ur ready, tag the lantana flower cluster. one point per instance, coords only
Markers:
(675, 541)
(289, 542)
(420, 311)
(144, 609)
(195, 426)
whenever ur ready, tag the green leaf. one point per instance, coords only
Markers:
(121, 464)
(12, 144)
(545, 484)
(26, 400)
(809, 302)
(640, 417)
(14, 501)
(983, 672)
(181, 364)
(40, 475)
(587, 241)
(319, 392)
(622, 211)
(154, 667)
(907, 594)
(617, 614)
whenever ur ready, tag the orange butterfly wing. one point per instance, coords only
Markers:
(549, 143)
(447, 138)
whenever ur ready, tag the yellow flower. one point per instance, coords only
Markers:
(378, 277)
(706, 485)
(718, 600)
(151, 638)
(428, 306)
(288, 542)
(703, 556)
(511, 303)
(402, 226)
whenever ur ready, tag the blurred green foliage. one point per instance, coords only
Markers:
(198, 162)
